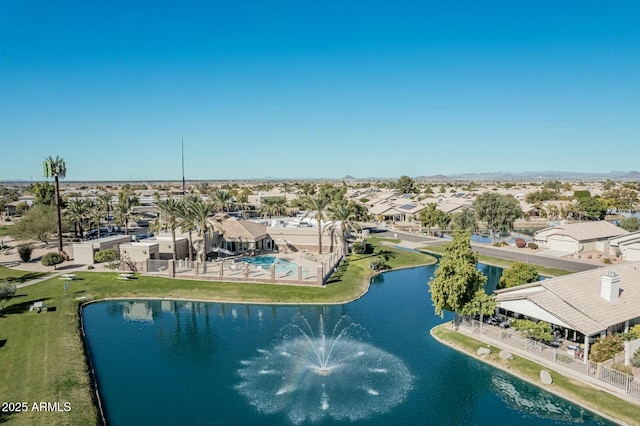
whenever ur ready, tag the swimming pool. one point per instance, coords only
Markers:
(282, 265)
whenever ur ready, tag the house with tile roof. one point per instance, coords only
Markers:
(577, 237)
(592, 303)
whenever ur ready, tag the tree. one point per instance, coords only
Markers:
(24, 251)
(187, 220)
(406, 185)
(540, 331)
(56, 168)
(123, 212)
(39, 223)
(242, 201)
(465, 220)
(429, 216)
(44, 193)
(517, 274)
(7, 291)
(589, 208)
(317, 205)
(202, 212)
(222, 200)
(481, 304)
(620, 199)
(456, 281)
(77, 211)
(168, 219)
(103, 204)
(343, 214)
(499, 212)
(52, 259)
(631, 224)
(273, 206)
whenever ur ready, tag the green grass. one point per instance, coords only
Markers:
(503, 263)
(4, 230)
(41, 354)
(17, 276)
(567, 387)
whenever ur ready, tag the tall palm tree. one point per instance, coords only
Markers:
(96, 215)
(222, 200)
(104, 204)
(202, 212)
(77, 211)
(169, 211)
(123, 213)
(317, 205)
(344, 215)
(186, 219)
(56, 168)
(242, 203)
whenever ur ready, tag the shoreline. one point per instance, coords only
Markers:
(514, 372)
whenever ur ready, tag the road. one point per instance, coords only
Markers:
(526, 256)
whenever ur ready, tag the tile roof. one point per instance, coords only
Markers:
(584, 231)
(576, 299)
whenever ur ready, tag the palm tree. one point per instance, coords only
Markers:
(95, 217)
(273, 206)
(168, 219)
(242, 202)
(317, 205)
(222, 200)
(78, 211)
(186, 220)
(202, 212)
(344, 214)
(123, 213)
(104, 205)
(56, 168)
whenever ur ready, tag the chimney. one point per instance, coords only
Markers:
(610, 287)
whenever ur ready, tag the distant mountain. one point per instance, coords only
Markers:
(348, 177)
(535, 176)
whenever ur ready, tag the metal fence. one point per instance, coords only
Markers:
(619, 379)
(155, 266)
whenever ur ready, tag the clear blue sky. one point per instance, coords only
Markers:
(305, 89)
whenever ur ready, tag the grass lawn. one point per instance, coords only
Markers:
(4, 230)
(17, 277)
(503, 263)
(41, 354)
(564, 386)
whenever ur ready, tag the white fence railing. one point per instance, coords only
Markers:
(620, 380)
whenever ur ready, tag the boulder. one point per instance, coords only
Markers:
(545, 377)
(483, 351)
(507, 356)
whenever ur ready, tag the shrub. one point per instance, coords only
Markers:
(606, 348)
(635, 330)
(7, 291)
(635, 359)
(521, 243)
(359, 248)
(52, 259)
(622, 368)
(24, 251)
(108, 255)
(606, 260)
(378, 265)
(532, 246)
(540, 331)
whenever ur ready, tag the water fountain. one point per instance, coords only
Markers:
(309, 374)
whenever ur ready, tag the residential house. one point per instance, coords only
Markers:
(577, 237)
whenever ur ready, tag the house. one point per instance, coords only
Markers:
(577, 237)
(626, 246)
(592, 303)
(240, 236)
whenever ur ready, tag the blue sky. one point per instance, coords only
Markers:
(307, 89)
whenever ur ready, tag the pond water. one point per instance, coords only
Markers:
(371, 361)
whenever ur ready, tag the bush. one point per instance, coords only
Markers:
(521, 243)
(52, 259)
(24, 251)
(606, 348)
(108, 255)
(635, 359)
(532, 246)
(540, 331)
(7, 291)
(378, 265)
(622, 368)
(359, 248)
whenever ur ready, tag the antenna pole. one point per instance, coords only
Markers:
(184, 185)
